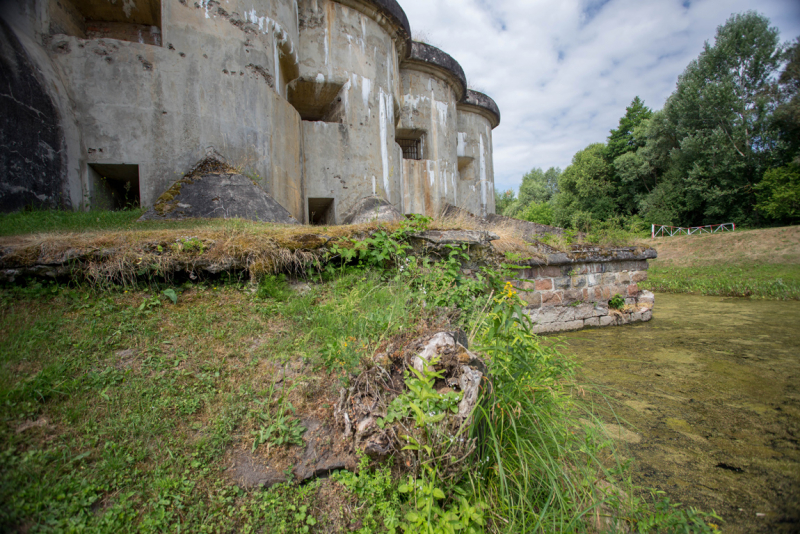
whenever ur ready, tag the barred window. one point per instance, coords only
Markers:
(411, 148)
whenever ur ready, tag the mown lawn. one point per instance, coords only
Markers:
(781, 282)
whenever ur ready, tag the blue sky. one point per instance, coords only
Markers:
(563, 71)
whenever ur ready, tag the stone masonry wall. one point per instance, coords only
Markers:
(562, 290)
(576, 295)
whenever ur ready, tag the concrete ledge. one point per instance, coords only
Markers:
(435, 61)
(592, 254)
(457, 237)
(483, 104)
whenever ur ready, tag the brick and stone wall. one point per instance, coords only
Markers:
(562, 290)
(572, 291)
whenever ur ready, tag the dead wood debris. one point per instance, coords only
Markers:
(368, 399)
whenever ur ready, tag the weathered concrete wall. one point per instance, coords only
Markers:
(354, 155)
(477, 117)
(31, 140)
(212, 84)
(429, 108)
(41, 169)
(475, 163)
(155, 85)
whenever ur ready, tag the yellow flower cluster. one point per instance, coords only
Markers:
(508, 290)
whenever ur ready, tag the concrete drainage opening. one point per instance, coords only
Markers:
(320, 211)
(115, 186)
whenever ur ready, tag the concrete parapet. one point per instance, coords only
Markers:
(427, 58)
(481, 103)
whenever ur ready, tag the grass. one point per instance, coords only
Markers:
(123, 407)
(749, 263)
(134, 401)
(126, 251)
(39, 221)
(120, 410)
(778, 282)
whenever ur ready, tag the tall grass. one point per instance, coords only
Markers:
(547, 464)
(540, 464)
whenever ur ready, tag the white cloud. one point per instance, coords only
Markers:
(563, 71)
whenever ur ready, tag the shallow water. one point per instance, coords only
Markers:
(709, 395)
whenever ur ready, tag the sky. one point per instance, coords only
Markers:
(563, 71)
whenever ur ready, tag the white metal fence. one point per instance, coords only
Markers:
(664, 231)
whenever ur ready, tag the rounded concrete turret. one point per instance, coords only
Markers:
(348, 97)
(478, 115)
(433, 83)
(476, 102)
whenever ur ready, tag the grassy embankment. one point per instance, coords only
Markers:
(746, 263)
(125, 408)
(42, 221)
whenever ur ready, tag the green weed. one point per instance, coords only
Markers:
(669, 518)
(617, 302)
(427, 514)
(378, 491)
(274, 287)
(283, 429)
(422, 400)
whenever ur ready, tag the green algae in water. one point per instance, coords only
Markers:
(712, 386)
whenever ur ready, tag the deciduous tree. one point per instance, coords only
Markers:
(623, 139)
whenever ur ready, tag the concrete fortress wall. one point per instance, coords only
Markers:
(433, 83)
(350, 71)
(478, 115)
(308, 98)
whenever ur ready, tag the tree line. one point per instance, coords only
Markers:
(725, 147)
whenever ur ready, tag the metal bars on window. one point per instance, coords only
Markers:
(411, 148)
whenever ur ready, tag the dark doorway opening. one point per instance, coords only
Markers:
(116, 187)
(320, 211)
